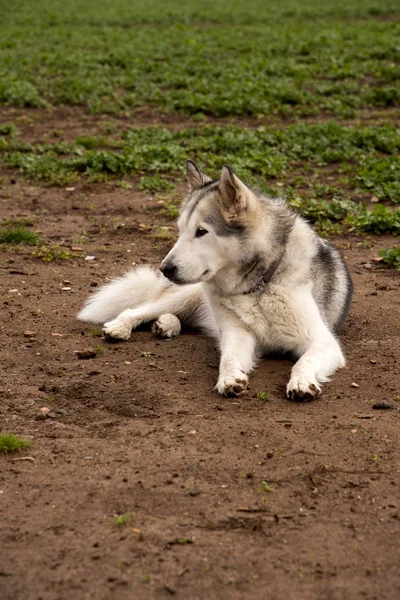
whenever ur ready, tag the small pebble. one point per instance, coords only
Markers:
(382, 406)
(85, 354)
(29, 334)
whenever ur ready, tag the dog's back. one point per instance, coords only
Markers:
(333, 288)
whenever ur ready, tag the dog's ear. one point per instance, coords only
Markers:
(233, 192)
(194, 176)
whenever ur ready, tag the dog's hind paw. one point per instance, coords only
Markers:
(232, 385)
(167, 326)
(118, 329)
(302, 390)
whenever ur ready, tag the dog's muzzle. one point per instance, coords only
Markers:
(170, 271)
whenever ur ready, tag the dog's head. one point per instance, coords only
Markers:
(214, 220)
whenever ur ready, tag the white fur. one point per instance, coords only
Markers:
(133, 289)
(167, 326)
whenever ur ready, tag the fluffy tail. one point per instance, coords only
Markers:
(137, 287)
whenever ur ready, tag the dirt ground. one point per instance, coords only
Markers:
(139, 431)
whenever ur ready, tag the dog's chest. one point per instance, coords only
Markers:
(270, 316)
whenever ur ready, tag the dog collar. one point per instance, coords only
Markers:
(265, 277)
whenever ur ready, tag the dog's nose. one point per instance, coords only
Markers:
(168, 270)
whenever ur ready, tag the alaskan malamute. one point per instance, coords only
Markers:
(246, 270)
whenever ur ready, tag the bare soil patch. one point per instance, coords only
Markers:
(40, 125)
(139, 431)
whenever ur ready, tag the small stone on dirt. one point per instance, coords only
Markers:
(85, 354)
(382, 406)
(354, 385)
(43, 414)
(89, 258)
(139, 533)
(194, 492)
(155, 366)
(29, 334)
(361, 416)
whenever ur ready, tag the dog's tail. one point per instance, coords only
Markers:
(136, 287)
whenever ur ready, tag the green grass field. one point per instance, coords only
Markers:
(313, 88)
(284, 58)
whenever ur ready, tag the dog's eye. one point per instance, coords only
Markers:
(200, 232)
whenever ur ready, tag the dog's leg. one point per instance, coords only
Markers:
(320, 354)
(182, 302)
(237, 359)
(167, 326)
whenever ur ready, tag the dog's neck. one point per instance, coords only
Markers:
(266, 275)
(249, 279)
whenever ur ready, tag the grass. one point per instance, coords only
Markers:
(8, 129)
(217, 58)
(96, 332)
(256, 153)
(322, 77)
(52, 253)
(12, 443)
(154, 184)
(122, 520)
(18, 234)
(391, 257)
(267, 487)
(171, 209)
(317, 161)
(382, 177)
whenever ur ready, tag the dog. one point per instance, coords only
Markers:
(246, 270)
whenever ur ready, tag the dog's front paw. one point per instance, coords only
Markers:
(167, 326)
(302, 389)
(232, 385)
(118, 329)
